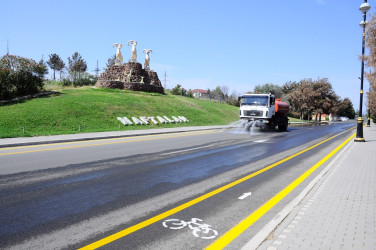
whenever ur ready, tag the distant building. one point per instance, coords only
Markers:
(200, 93)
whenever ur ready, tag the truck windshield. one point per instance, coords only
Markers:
(254, 100)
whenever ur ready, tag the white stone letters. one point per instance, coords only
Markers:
(176, 119)
(137, 121)
(143, 120)
(127, 121)
(151, 118)
(161, 120)
(183, 119)
(168, 119)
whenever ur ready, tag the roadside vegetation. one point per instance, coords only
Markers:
(87, 109)
(308, 97)
(371, 63)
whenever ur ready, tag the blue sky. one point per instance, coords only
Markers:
(200, 44)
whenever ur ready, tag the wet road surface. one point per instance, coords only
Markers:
(78, 193)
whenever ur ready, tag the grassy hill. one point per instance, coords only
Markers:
(76, 110)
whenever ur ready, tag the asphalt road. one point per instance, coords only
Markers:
(154, 190)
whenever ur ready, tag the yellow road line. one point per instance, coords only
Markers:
(168, 213)
(98, 140)
(234, 232)
(136, 139)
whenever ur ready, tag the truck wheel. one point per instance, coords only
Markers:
(283, 127)
(271, 126)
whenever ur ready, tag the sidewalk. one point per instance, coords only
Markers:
(339, 212)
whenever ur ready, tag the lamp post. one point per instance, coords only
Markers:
(359, 130)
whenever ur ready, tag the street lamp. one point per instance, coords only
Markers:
(359, 130)
(363, 24)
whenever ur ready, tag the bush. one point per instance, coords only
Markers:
(85, 79)
(294, 115)
(176, 90)
(190, 94)
(20, 76)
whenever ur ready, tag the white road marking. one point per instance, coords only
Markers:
(245, 195)
(261, 141)
(185, 150)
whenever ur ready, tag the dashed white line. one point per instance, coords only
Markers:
(185, 150)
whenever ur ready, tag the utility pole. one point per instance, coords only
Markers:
(7, 47)
(165, 80)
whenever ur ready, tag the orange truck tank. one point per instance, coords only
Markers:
(281, 107)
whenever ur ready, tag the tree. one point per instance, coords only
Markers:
(289, 87)
(346, 108)
(271, 88)
(55, 63)
(20, 76)
(308, 96)
(190, 93)
(371, 63)
(177, 90)
(42, 69)
(217, 92)
(77, 65)
(325, 99)
(233, 99)
(301, 98)
(111, 61)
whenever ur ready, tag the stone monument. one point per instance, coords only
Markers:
(119, 56)
(134, 51)
(131, 75)
(147, 59)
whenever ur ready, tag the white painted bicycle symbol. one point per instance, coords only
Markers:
(203, 231)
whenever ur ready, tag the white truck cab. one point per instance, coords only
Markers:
(265, 110)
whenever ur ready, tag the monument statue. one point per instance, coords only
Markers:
(147, 58)
(134, 51)
(119, 56)
(129, 76)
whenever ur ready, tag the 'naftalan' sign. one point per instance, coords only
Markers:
(143, 120)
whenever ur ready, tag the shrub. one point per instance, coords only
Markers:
(176, 90)
(190, 94)
(294, 115)
(85, 79)
(20, 76)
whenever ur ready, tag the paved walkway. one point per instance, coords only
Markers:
(340, 211)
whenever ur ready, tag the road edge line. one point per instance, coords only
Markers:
(243, 225)
(274, 223)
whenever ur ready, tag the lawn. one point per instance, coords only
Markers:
(79, 110)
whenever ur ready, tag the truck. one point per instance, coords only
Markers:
(264, 111)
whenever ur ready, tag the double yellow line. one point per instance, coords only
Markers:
(237, 230)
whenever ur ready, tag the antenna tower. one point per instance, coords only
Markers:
(97, 70)
(165, 80)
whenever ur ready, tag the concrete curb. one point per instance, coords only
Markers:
(28, 141)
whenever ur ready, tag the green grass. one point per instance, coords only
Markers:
(83, 110)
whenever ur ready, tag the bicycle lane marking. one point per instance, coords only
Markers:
(143, 224)
(194, 225)
(234, 232)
